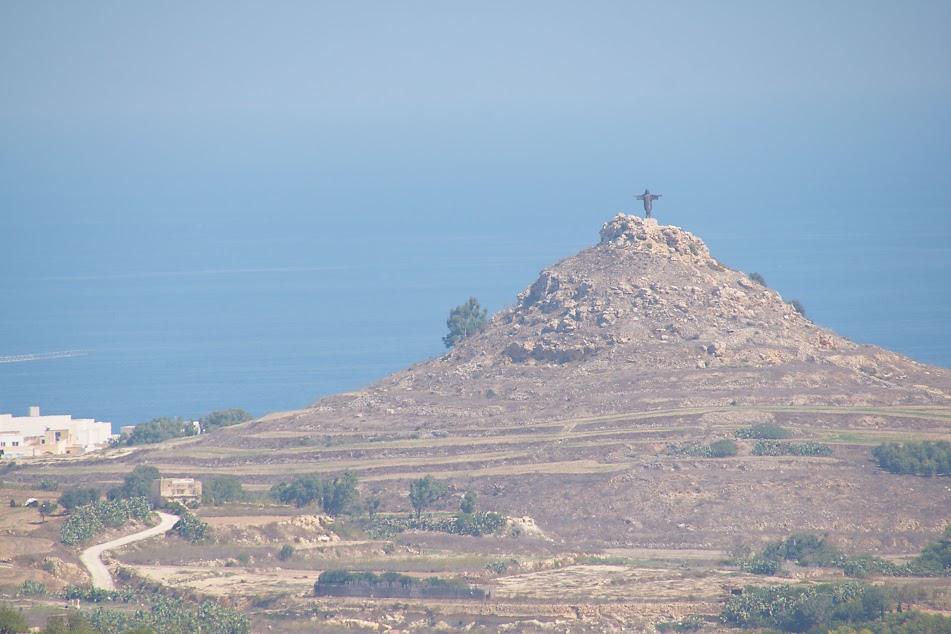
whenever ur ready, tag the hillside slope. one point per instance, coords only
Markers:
(565, 408)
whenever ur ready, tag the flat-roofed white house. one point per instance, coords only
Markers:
(36, 435)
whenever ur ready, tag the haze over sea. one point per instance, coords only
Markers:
(257, 207)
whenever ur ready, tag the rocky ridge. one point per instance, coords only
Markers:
(644, 319)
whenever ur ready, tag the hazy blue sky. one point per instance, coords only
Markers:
(213, 109)
(149, 138)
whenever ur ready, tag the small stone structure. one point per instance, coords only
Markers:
(182, 490)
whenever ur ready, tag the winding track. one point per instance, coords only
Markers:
(90, 557)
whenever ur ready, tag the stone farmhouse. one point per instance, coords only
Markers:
(182, 490)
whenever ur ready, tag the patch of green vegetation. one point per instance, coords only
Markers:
(776, 448)
(335, 497)
(465, 320)
(917, 458)
(223, 418)
(475, 524)
(88, 521)
(188, 526)
(840, 608)
(807, 549)
(222, 490)
(763, 431)
(717, 449)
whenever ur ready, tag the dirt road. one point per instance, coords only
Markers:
(90, 557)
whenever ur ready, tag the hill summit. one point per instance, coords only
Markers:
(585, 404)
(647, 318)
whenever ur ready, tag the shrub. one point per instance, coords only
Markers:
(424, 492)
(32, 588)
(797, 306)
(90, 520)
(12, 621)
(287, 551)
(188, 525)
(767, 431)
(48, 485)
(799, 609)
(76, 497)
(773, 448)
(935, 558)
(759, 279)
(468, 503)
(335, 497)
(718, 449)
(465, 320)
(723, 448)
(160, 429)
(224, 418)
(222, 490)
(136, 484)
(924, 458)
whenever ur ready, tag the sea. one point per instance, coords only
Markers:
(179, 318)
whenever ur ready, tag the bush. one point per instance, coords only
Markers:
(136, 484)
(773, 448)
(424, 492)
(766, 431)
(224, 418)
(465, 320)
(924, 458)
(188, 525)
(12, 621)
(935, 558)
(799, 609)
(48, 485)
(723, 448)
(797, 306)
(160, 429)
(31, 588)
(222, 490)
(718, 449)
(90, 520)
(335, 497)
(759, 279)
(72, 499)
(474, 524)
(287, 551)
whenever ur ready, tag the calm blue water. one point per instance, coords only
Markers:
(272, 317)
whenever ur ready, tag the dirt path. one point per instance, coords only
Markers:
(90, 557)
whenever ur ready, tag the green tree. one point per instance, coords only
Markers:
(160, 429)
(76, 497)
(11, 621)
(47, 508)
(224, 418)
(301, 491)
(464, 320)
(468, 504)
(222, 490)
(340, 495)
(136, 484)
(759, 279)
(287, 551)
(72, 623)
(425, 492)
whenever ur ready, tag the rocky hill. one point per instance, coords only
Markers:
(645, 319)
(566, 407)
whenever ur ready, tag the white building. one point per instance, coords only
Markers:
(34, 435)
